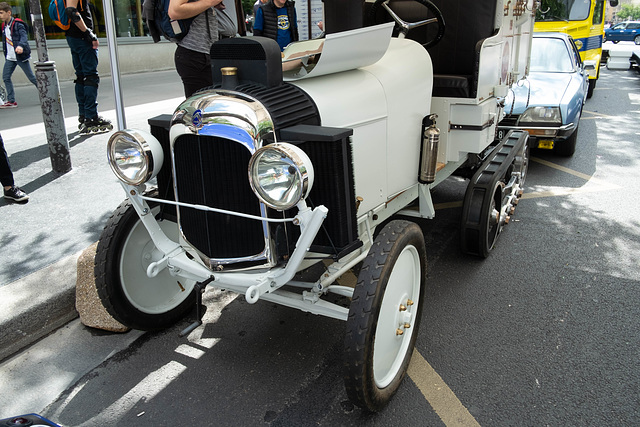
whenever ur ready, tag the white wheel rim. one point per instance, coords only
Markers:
(390, 348)
(156, 295)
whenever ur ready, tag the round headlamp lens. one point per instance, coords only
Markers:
(131, 157)
(280, 175)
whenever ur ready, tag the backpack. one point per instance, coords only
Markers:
(156, 14)
(58, 13)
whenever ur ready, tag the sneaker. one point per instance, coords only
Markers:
(16, 194)
(9, 104)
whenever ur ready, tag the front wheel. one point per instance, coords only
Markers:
(124, 252)
(636, 40)
(384, 316)
(567, 147)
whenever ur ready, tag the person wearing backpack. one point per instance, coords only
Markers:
(84, 54)
(191, 57)
(16, 50)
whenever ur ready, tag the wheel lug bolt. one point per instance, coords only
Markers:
(403, 308)
(399, 332)
(407, 325)
(409, 302)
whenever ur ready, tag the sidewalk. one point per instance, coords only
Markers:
(41, 240)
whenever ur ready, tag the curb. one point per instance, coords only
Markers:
(36, 305)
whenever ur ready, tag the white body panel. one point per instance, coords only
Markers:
(384, 104)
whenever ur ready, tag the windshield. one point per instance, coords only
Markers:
(563, 10)
(550, 55)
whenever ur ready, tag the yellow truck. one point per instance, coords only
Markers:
(584, 21)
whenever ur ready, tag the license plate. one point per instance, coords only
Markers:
(545, 144)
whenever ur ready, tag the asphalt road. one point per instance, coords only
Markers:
(543, 332)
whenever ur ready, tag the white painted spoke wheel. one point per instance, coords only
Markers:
(384, 316)
(397, 315)
(124, 252)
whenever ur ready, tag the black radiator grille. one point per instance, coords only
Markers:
(212, 171)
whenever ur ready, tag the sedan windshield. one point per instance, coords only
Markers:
(563, 10)
(550, 55)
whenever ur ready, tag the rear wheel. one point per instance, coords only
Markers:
(592, 86)
(124, 252)
(384, 316)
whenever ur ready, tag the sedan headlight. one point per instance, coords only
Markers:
(281, 175)
(135, 156)
(541, 115)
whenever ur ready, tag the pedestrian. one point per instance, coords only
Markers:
(16, 50)
(256, 6)
(11, 191)
(84, 54)
(192, 56)
(227, 28)
(277, 20)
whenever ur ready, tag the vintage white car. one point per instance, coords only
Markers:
(290, 162)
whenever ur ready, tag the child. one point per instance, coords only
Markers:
(16, 52)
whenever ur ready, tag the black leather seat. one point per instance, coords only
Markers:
(456, 57)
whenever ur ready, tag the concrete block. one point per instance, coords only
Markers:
(88, 303)
(618, 63)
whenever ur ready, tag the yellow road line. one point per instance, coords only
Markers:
(560, 191)
(564, 191)
(448, 205)
(563, 169)
(450, 410)
(595, 115)
(441, 398)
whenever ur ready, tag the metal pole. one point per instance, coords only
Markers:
(50, 101)
(113, 57)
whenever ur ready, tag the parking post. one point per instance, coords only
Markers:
(50, 100)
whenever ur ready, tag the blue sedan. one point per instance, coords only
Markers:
(623, 32)
(548, 103)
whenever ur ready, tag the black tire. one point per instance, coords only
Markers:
(592, 86)
(567, 147)
(376, 357)
(484, 206)
(636, 39)
(128, 294)
(616, 41)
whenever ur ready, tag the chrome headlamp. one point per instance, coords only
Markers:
(135, 156)
(281, 175)
(541, 115)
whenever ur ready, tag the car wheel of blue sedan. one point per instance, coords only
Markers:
(568, 146)
(636, 40)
